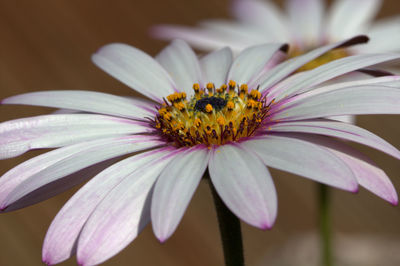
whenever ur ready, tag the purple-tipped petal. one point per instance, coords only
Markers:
(51, 166)
(249, 63)
(60, 185)
(136, 69)
(174, 190)
(390, 81)
(215, 66)
(182, 64)
(121, 215)
(367, 99)
(303, 158)
(65, 228)
(51, 131)
(87, 101)
(350, 17)
(244, 185)
(303, 83)
(366, 172)
(339, 130)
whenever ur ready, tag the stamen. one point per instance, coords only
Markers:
(208, 108)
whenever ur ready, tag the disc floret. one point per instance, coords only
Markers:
(212, 116)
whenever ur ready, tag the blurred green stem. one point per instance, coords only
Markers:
(229, 227)
(325, 225)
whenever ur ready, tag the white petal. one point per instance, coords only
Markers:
(379, 32)
(49, 167)
(51, 131)
(339, 130)
(182, 64)
(265, 15)
(251, 61)
(215, 66)
(54, 188)
(244, 185)
(302, 158)
(237, 33)
(328, 71)
(288, 67)
(366, 172)
(66, 226)
(306, 17)
(174, 190)
(88, 101)
(136, 69)
(367, 99)
(201, 38)
(120, 216)
(285, 87)
(350, 17)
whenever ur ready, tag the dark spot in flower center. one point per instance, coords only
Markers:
(216, 102)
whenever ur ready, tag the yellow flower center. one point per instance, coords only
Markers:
(213, 116)
(321, 60)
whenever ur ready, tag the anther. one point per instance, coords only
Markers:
(232, 85)
(210, 87)
(230, 105)
(208, 108)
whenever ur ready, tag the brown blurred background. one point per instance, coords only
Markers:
(47, 45)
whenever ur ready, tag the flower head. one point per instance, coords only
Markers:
(229, 116)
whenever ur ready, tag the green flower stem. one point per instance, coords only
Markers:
(325, 225)
(229, 227)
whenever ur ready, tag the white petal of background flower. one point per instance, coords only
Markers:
(198, 38)
(265, 15)
(350, 17)
(306, 18)
(386, 29)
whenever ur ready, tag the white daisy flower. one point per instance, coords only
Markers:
(228, 116)
(304, 24)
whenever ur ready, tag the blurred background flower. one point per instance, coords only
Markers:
(47, 45)
(304, 24)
